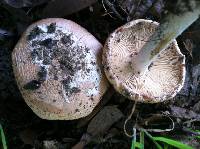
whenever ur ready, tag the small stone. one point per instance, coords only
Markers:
(34, 33)
(51, 28)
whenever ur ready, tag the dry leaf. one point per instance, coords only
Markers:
(50, 144)
(104, 120)
(59, 8)
(183, 113)
(24, 3)
(100, 124)
(188, 45)
(28, 136)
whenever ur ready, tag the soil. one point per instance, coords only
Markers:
(24, 130)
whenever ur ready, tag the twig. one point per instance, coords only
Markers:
(129, 117)
(163, 130)
(134, 10)
(106, 11)
(111, 6)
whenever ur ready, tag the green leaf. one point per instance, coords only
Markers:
(133, 145)
(3, 138)
(142, 139)
(173, 143)
(136, 144)
(152, 138)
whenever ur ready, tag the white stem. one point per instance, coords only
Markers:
(172, 26)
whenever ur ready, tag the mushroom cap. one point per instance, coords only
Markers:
(57, 65)
(165, 75)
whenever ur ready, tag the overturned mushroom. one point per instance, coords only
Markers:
(57, 65)
(143, 59)
(164, 76)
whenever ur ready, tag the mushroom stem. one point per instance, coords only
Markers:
(171, 27)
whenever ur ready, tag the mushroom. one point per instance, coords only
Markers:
(57, 65)
(142, 59)
(164, 76)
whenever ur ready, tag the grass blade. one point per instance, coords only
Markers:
(133, 145)
(152, 138)
(136, 144)
(2, 137)
(173, 143)
(142, 139)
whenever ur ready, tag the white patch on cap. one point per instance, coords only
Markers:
(80, 76)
